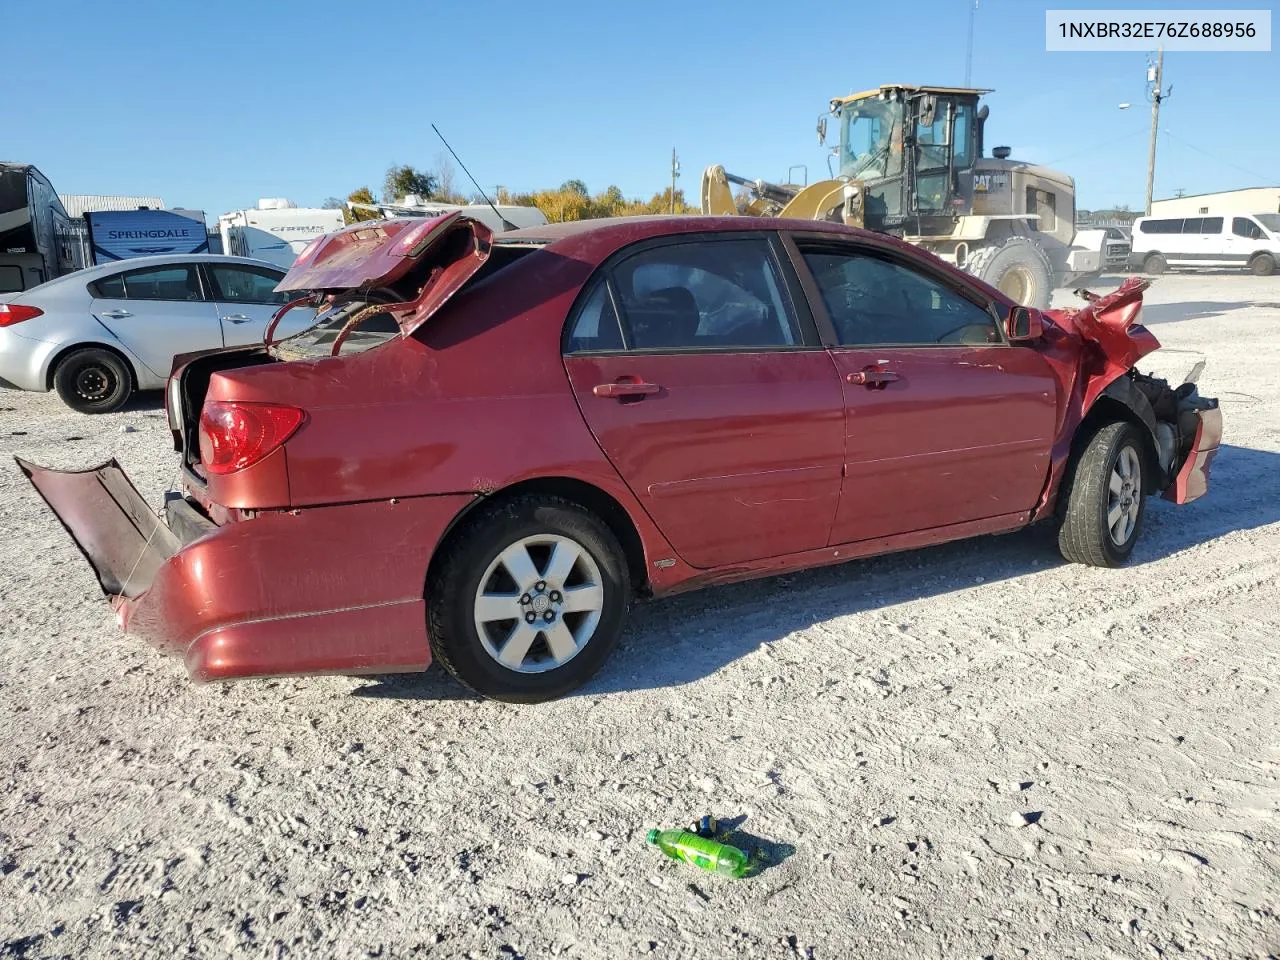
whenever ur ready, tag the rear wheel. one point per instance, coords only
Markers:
(1155, 264)
(1105, 500)
(93, 380)
(528, 600)
(1263, 265)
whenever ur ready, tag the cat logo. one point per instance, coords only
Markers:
(990, 182)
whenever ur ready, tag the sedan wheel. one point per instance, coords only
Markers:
(539, 603)
(93, 381)
(1124, 496)
(527, 599)
(1101, 501)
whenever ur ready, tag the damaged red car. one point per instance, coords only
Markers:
(485, 447)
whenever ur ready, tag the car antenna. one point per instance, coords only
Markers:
(507, 224)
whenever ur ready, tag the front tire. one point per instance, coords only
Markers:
(93, 380)
(1263, 265)
(528, 599)
(1018, 268)
(1105, 501)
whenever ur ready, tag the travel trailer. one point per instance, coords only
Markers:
(499, 218)
(276, 230)
(32, 226)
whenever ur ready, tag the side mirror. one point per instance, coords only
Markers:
(822, 131)
(1024, 324)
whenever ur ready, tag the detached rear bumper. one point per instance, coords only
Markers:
(323, 590)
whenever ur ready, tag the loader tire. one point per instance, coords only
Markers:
(1018, 268)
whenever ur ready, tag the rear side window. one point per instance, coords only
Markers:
(161, 283)
(235, 284)
(10, 279)
(1161, 226)
(596, 326)
(1244, 227)
(1211, 225)
(723, 294)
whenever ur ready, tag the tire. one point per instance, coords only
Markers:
(1095, 489)
(538, 527)
(93, 380)
(1018, 268)
(1155, 265)
(1263, 265)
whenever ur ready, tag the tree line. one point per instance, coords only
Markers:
(570, 201)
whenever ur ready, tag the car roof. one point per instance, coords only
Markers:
(618, 231)
(89, 274)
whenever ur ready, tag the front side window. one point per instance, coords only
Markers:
(876, 302)
(711, 295)
(232, 284)
(161, 283)
(1244, 227)
(871, 139)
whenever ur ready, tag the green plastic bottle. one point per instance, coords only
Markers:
(700, 851)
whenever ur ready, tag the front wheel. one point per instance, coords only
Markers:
(93, 380)
(1263, 265)
(528, 600)
(1104, 499)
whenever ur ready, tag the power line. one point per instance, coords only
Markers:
(1234, 166)
(1093, 148)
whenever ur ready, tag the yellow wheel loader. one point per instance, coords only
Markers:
(912, 165)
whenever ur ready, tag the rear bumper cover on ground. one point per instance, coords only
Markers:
(323, 590)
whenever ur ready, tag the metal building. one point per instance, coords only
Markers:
(1249, 200)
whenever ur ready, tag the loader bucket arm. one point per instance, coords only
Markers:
(717, 195)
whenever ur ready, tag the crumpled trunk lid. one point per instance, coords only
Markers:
(415, 264)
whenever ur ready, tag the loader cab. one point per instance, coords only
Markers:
(914, 148)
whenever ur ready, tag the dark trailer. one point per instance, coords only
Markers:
(32, 223)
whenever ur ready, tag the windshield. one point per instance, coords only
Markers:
(871, 139)
(1269, 220)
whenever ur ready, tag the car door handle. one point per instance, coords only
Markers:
(117, 314)
(625, 388)
(870, 378)
(237, 318)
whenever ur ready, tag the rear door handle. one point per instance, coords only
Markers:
(117, 314)
(625, 388)
(872, 377)
(237, 318)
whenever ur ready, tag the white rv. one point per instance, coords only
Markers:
(498, 218)
(276, 231)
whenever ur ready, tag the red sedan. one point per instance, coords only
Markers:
(485, 448)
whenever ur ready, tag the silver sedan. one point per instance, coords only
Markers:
(97, 335)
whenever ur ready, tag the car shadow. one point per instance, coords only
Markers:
(676, 641)
(144, 400)
(1188, 310)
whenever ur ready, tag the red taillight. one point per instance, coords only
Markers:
(11, 313)
(237, 435)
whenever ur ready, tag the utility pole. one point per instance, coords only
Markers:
(968, 57)
(1155, 75)
(675, 172)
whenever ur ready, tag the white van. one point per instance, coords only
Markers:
(1241, 240)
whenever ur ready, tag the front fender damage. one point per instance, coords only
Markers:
(1183, 428)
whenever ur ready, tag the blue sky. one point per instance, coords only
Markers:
(213, 105)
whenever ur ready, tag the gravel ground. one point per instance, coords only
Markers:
(972, 750)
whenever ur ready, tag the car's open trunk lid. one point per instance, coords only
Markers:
(411, 265)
